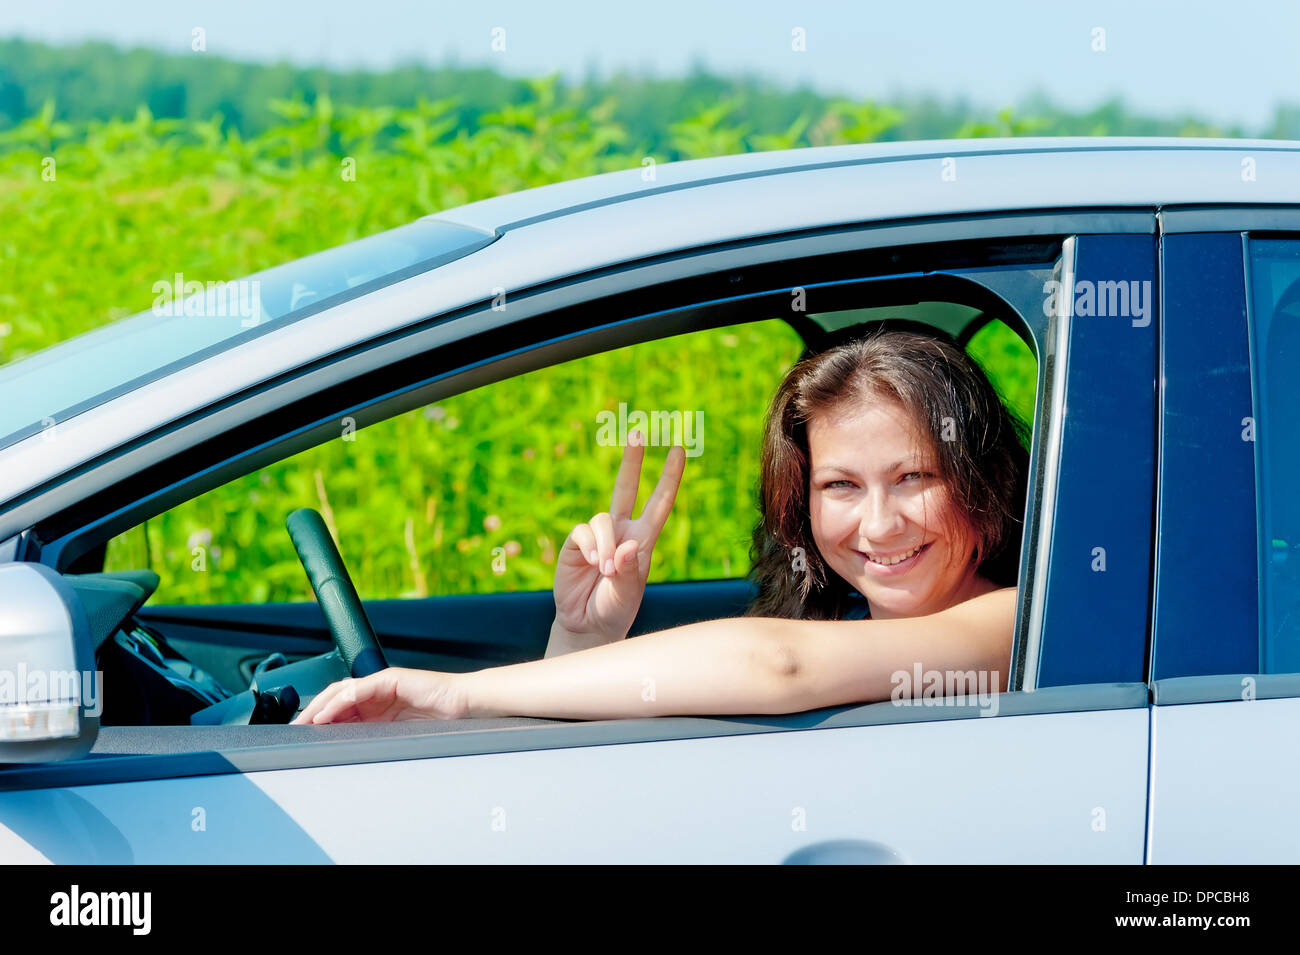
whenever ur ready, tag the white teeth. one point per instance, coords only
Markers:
(896, 560)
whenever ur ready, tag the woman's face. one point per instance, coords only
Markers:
(875, 498)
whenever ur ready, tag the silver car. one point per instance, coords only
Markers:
(1152, 288)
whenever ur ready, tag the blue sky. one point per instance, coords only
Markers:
(1222, 61)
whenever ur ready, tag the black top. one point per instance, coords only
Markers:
(858, 608)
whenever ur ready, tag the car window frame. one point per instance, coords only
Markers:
(719, 312)
(1260, 418)
(1203, 679)
(733, 264)
(1203, 321)
(1104, 451)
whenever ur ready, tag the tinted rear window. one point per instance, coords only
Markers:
(1275, 329)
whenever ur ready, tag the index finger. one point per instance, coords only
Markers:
(318, 703)
(661, 501)
(343, 706)
(629, 477)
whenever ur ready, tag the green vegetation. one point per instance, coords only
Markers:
(98, 81)
(478, 492)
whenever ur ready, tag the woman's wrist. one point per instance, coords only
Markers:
(562, 640)
(471, 694)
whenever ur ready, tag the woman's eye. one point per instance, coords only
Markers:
(917, 474)
(839, 483)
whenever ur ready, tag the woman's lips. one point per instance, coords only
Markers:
(880, 570)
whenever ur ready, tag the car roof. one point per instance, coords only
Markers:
(555, 232)
(1176, 176)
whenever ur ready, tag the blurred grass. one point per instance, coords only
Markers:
(472, 495)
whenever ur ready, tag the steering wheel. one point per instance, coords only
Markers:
(335, 593)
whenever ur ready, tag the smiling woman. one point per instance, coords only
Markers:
(891, 471)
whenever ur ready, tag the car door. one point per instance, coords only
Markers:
(1054, 770)
(1226, 660)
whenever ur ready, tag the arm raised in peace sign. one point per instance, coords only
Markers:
(601, 572)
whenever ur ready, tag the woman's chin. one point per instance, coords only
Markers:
(899, 599)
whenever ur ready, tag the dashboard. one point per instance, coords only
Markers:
(145, 681)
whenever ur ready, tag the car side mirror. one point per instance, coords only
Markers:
(50, 693)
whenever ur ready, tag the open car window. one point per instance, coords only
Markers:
(475, 494)
(449, 516)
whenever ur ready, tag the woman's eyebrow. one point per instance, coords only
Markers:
(912, 464)
(846, 469)
(916, 463)
(830, 466)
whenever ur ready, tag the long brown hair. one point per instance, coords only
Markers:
(979, 446)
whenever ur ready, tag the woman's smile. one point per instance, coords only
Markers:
(893, 565)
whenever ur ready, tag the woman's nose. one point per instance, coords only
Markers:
(879, 518)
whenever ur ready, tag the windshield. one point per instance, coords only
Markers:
(190, 320)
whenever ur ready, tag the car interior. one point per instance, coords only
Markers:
(259, 662)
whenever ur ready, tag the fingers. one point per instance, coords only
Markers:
(602, 525)
(597, 541)
(314, 707)
(661, 501)
(317, 704)
(341, 702)
(583, 538)
(625, 556)
(608, 559)
(629, 478)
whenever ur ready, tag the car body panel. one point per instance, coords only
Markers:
(1225, 783)
(1118, 782)
(1048, 788)
(518, 209)
(214, 820)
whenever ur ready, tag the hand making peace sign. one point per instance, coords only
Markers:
(601, 572)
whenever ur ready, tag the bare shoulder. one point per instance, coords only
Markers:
(999, 597)
(996, 609)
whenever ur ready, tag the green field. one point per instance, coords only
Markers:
(472, 495)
